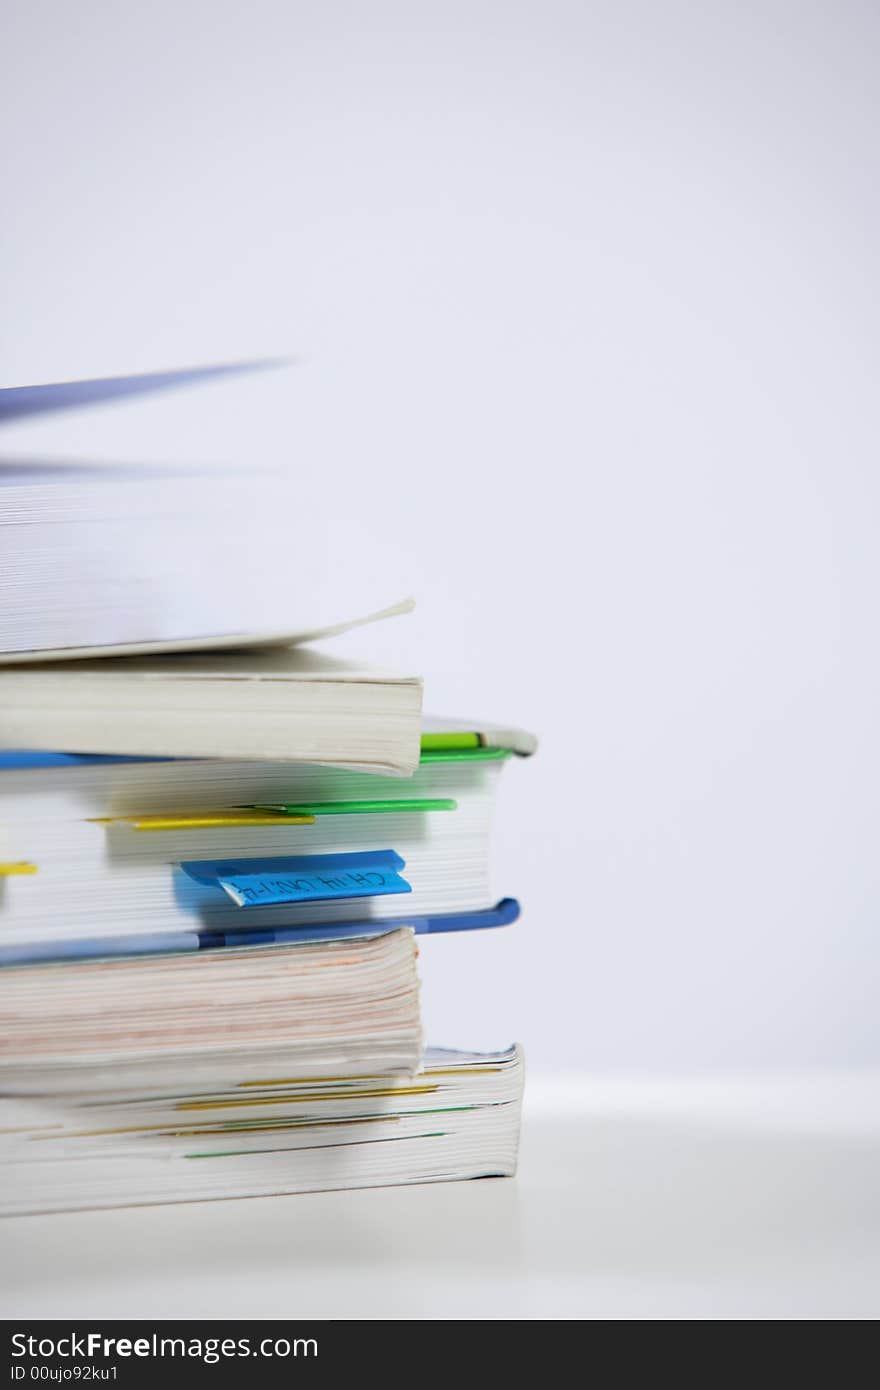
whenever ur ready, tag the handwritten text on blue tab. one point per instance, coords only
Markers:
(302, 878)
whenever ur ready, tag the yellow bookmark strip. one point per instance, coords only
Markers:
(219, 1128)
(20, 867)
(312, 1081)
(206, 820)
(305, 1100)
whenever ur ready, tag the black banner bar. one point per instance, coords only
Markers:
(133, 1353)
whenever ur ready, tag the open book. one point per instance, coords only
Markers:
(99, 559)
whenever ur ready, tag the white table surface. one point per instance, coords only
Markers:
(635, 1199)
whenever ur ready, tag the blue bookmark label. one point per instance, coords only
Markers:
(302, 878)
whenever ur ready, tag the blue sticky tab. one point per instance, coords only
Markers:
(302, 878)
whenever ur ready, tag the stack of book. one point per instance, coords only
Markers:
(214, 869)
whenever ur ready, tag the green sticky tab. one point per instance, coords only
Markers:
(455, 739)
(367, 808)
(463, 755)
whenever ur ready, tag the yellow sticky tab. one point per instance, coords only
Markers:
(206, 820)
(18, 867)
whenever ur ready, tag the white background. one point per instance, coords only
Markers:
(585, 297)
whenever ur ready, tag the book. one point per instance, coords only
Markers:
(218, 848)
(324, 1007)
(291, 704)
(276, 1045)
(104, 559)
(255, 1070)
(126, 855)
(224, 1133)
(25, 402)
(500, 914)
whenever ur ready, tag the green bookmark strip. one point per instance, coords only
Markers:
(462, 755)
(455, 739)
(459, 747)
(359, 808)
